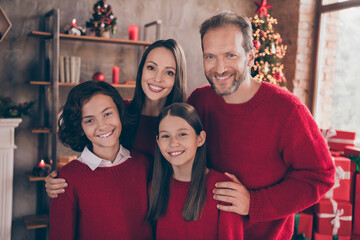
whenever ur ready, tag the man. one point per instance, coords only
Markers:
(263, 135)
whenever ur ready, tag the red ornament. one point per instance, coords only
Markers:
(263, 7)
(279, 40)
(257, 44)
(98, 76)
(263, 33)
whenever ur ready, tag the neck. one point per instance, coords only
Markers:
(244, 93)
(108, 154)
(153, 108)
(185, 176)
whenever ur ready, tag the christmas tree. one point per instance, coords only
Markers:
(269, 49)
(102, 18)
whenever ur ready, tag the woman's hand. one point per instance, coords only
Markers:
(54, 186)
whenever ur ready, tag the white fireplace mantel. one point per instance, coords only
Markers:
(7, 146)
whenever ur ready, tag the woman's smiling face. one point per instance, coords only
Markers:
(158, 76)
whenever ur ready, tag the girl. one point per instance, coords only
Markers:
(107, 184)
(181, 204)
(160, 81)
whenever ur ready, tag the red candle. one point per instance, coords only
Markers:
(73, 24)
(42, 163)
(133, 32)
(116, 73)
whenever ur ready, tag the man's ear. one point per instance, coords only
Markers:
(201, 138)
(251, 57)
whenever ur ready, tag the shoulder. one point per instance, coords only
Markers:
(215, 176)
(279, 97)
(72, 169)
(139, 159)
(201, 91)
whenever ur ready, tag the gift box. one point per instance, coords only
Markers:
(336, 153)
(356, 223)
(303, 226)
(353, 153)
(341, 188)
(318, 236)
(333, 217)
(338, 140)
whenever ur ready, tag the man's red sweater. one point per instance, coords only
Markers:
(212, 224)
(274, 147)
(107, 203)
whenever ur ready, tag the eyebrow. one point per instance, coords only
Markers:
(104, 110)
(157, 65)
(181, 129)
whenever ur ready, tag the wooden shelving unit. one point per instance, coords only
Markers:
(62, 36)
(44, 83)
(35, 178)
(36, 221)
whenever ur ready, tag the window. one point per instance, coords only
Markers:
(337, 86)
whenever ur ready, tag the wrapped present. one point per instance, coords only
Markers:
(336, 153)
(303, 226)
(341, 188)
(333, 217)
(318, 236)
(356, 223)
(338, 140)
(354, 154)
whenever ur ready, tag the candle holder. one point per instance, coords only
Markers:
(42, 169)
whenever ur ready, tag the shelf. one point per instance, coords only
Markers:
(44, 83)
(35, 178)
(47, 35)
(41, 130)
(36, 221)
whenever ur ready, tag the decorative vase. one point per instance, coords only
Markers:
(7, 146)
(105, 34)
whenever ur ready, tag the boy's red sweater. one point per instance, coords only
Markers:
(108, 203)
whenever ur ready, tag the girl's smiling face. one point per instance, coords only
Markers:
(101, 123)
(178, 143)
(158, 76)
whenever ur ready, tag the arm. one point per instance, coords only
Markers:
(63, 211)
(230, 226)
(55, 186)
(310, 175)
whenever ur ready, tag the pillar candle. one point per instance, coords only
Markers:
(116, 73)
(133, 32)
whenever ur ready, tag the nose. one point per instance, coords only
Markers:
(220, 66)
(174, 142)
(158, 77)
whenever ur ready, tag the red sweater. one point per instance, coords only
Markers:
(274, 147)
(212, 224)
(144, 135)
(108, 203)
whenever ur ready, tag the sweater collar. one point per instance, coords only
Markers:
(243, 108)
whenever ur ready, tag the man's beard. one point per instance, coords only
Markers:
(235, 84)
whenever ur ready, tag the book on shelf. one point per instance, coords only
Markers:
(69, 69)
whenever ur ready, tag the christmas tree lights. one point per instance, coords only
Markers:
(269, 49)
(103, 19)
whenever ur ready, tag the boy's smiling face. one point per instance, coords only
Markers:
(101, 123)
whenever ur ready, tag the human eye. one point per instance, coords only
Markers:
(88, 121)
(208, 57)
(108, 114)
(149, 67)
(182, 134)
(170, 73)
(231, 55)
(164, 136)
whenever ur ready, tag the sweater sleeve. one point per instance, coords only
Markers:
(311, 171)
(63, 212)
(230, 226)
